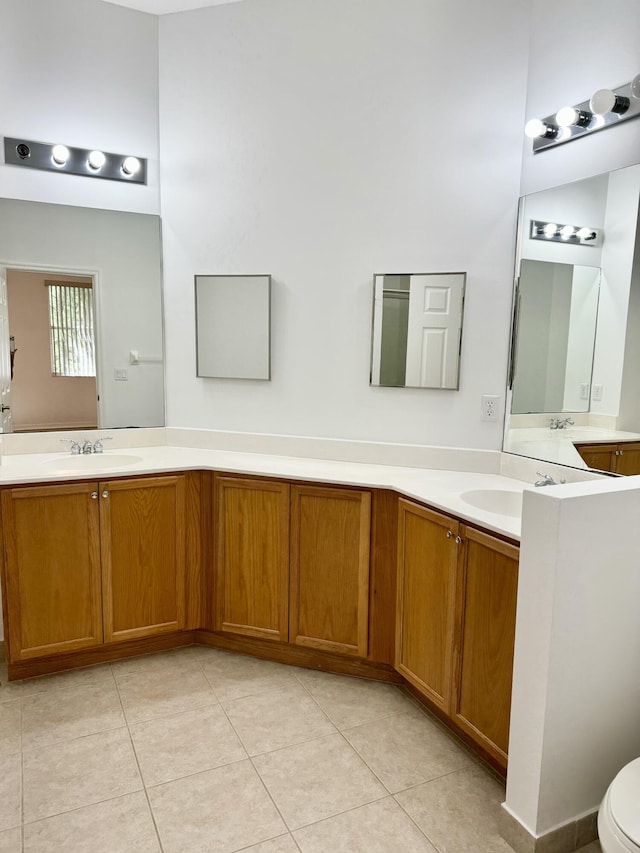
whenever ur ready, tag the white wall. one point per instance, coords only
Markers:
(323, 142)
(83, 73)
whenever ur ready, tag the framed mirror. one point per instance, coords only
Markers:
(574, 385)
(85, 330)
(417, 330)
(233, 326)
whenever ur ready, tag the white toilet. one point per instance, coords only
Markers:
(619, 815)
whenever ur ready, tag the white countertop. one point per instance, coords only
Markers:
(558, 445)
(439, 488)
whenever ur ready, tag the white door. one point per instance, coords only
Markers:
(435, 325)
(6, 424)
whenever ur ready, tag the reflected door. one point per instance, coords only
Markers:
(435, 324)
(6, 423)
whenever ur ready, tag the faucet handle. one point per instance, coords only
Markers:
(97, 447)
(87, 447)
(75, 447)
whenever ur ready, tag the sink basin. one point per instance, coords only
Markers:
(91, 462)
(500, 501)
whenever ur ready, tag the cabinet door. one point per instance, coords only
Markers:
(143, 556)
(252, 566)
(627, 460)
(485, 632)
(426, 600)
(52, 569)
(330, 543)
(602, 457)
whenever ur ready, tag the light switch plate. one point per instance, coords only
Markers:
(120, 374)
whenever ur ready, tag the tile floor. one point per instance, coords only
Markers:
(203, 751)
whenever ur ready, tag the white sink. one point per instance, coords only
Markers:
(91, 462)
(500, 501)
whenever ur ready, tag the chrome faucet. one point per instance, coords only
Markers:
(560, 423)
(87, 447)
(97, 447)
(547, 480)
(75, 447)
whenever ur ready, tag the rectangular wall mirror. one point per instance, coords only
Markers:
(233, 326)
(574, 390)
(417, 330)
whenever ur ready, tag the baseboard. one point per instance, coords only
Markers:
(564, 839)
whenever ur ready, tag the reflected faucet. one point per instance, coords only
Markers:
(560, 423)
(547, 480)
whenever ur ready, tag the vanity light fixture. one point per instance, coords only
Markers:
(605, 108)
(576, 235)
(87, 162)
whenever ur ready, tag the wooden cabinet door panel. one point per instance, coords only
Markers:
(330, 543)
(252, 571)
(52, 548)
(426, 600)
(599, 456)
(143, 556)
(485, 633)
(627, 460)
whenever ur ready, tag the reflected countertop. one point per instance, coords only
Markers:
(558, 445)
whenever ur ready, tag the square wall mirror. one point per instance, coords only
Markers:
(233, 326)
(417, 330)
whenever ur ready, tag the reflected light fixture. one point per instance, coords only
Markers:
(576, 235)
(605, 108)
(87, 162)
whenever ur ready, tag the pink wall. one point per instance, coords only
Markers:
(39, 400)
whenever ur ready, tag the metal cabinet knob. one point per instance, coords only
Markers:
(449, 534)
(105, 494)
(94, 496)
(458, 540)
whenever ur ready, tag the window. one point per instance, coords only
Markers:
(72, 329)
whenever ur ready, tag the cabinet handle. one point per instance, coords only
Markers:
(449, 534)
(105, 494)
(458, 540)
(620, 452)
(94, 496)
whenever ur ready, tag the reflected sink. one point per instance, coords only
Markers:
(500, 501)
(91, 462)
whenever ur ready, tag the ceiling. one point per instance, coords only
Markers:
(164, 7)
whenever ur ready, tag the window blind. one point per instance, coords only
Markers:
(72, 329)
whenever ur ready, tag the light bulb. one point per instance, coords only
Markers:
(567, 231)
(635, 86)
(586, 234)
(130, 166)
(96, 160)
(567, 116)
(550, 229)
(60, 154)
(605, 101)
(534, 128)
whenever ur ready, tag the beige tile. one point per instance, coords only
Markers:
(594, 847)
(9, 727)
(10, 791)
(458, 812)
(70, 678)
(317, 779)
(233, 676)
(352, 701)
(79, 772)
(59, 715)
(186, 743)
(123, 825)
(161, 692)
(407, 749)
(218, 811)
(284, 844)
(381, 827)
(277, 718)
(170, 659)
(586, 830)
(11, 841)
(9, 690)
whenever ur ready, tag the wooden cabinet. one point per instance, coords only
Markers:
(618, 458)
(292, 563)
(88, 563)
(455, 625)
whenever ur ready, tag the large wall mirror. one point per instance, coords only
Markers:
(574, 382)
(417, 330)
(81, 334)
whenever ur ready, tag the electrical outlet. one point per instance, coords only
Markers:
(584, 390)
(597, 393)
(120, 374)
(490, 407)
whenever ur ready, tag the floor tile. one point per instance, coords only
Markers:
(123, 825)
(161, 692)
(458, 813)
(9, 727)
(233, 676)
(10, 791)
(170, 659)
(594, 847)
(277, 718)
(11, 841)
(243, 813)
(59, 715)
(407, 749)
(283, 844)
(381, 827)
(69, 678)
(9, 690)
(317, 779)
(171, 747)
(79, 772)
(352, 701)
